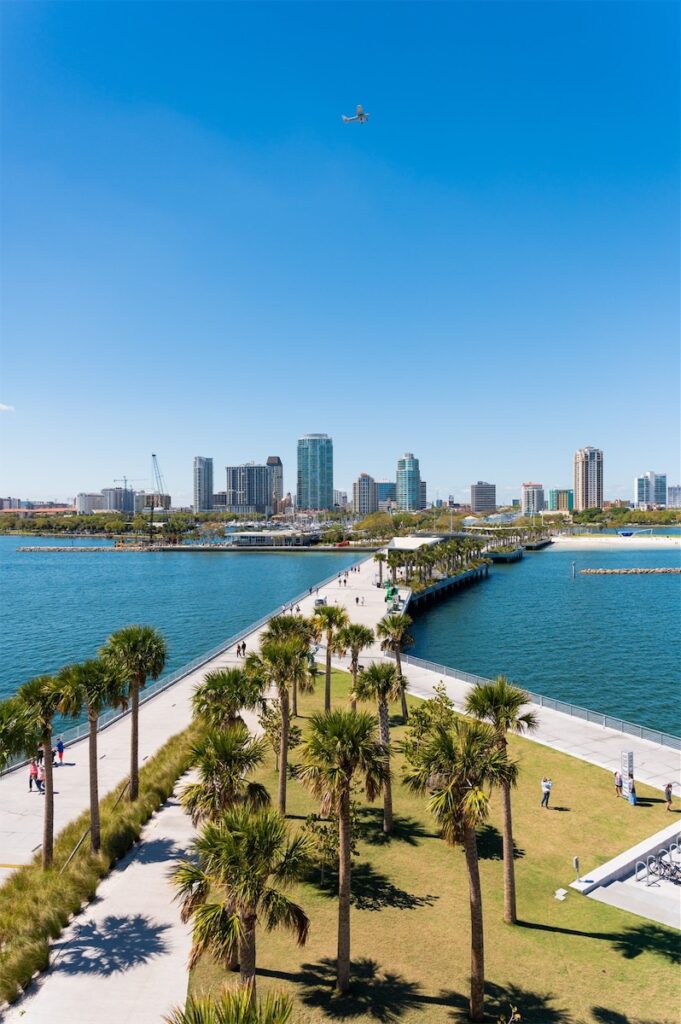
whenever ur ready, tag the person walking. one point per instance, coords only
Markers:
(618, 783)
(546, 785)
(632, 790)
(40, 781)
(668, 796)
(33, 776)
(60, 750)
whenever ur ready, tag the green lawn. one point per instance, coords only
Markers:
(576, 961)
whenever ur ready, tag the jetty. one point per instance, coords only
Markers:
(631, 572)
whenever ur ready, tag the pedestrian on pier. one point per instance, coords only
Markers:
(33, 776)
(60, 750)
(618, 783)
(356, 600)
(668, 795)
(546, 785)
(632, 790)
(41, 778)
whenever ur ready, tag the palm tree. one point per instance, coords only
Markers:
(380, 558)
(340, 745)
(393, 632)
(137, 652)
(235, 881)
(277, 664)
(234, 1006)
(328, 620)
(91, 685)
(456, 766)
(223, 760)
(285, 627)
(501, 704)
(38, 703)
(223, 693)
(380, 682)
(354, 638)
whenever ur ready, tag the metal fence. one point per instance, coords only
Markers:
(77, 732)
(595, 717)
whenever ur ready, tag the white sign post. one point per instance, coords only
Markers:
(627, 769)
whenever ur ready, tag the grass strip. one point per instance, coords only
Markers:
(36, 905)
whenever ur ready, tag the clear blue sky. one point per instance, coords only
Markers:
(198, 257)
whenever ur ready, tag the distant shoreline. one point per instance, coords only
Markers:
(639, 542)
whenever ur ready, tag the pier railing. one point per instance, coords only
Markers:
(77, 732)
(664, 739)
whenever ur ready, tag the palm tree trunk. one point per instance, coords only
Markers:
(477, 996)
(95, 838)
(283, 749)
(294, 699)
(48, 817)
(327, 681)
(134, 741)
(384, 736)
(510, 916)
(403, 693)
(247, 955)
(344, 873)
(353, 667)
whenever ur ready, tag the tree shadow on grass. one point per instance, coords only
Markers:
(111, 946)
(630, 942)
(369, 828)
(534, 1007)
(491, 844)
(605, 1016)
(372, 890)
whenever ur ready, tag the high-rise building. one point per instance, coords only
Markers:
(408, 484)
(386, 494)
(340, 499)
(364, 495)
(203, 484)
(276, 471)
(561, 499)
(87, 503)
(531, 499)
(674, 496)
(650, 489)
(483, 497)
(248, 489)
(118, 499)
(588, 467)
(423, 494)
(146, 500)
(315, 472)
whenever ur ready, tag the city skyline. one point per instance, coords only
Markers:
(212, 238)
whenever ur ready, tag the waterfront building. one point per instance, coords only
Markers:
(220, 501)
(276, 470)
(650, 489)
(561, 499)
(203, 484)
(408, 483)
(315, 472)
(86, 503)
(423, 494)
(146, 500)
(674, 496)
(531, 499)
(273, 538)
(588, 470)
(364, 495)
(340, 499)
(118, 499)
(248, 489)
(483, 497)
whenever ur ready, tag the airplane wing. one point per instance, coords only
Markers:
(347, 120)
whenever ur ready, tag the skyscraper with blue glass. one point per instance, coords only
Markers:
(315, 472)
(408, 483)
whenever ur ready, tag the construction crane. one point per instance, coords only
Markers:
(160, 491)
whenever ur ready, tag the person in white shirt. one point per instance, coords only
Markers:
(545, 791)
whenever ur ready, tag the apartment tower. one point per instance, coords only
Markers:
(203, 484)
(588, 488)
(315, 472)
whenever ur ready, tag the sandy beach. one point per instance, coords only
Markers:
(640, 542)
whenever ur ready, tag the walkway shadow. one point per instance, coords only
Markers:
(372, 890)
(491, 844)
(604, 1016)
(533, 1007)
(369, 828)
(631, 942)
(157, 851)
(111, 946)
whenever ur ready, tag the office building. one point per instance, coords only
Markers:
(650, 490)
(203, 484)
(561, 499)
(674, 496)
(88, 503)
(364, 495)
(483, 497)
(220, 501)
(588, 489)
(315, 472)
(408, 484)
(386, 495)
(248, 489)
(531, 499)
(276, 470)
(340, 499)
(118, 499)
(145, 500)
(423, 494)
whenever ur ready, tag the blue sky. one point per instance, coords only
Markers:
(198, 257)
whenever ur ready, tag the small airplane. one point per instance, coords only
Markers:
(360, 116)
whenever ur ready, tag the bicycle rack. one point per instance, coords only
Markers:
(640, 864)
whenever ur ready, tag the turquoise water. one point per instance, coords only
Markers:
(611, 643)
(57, 608)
